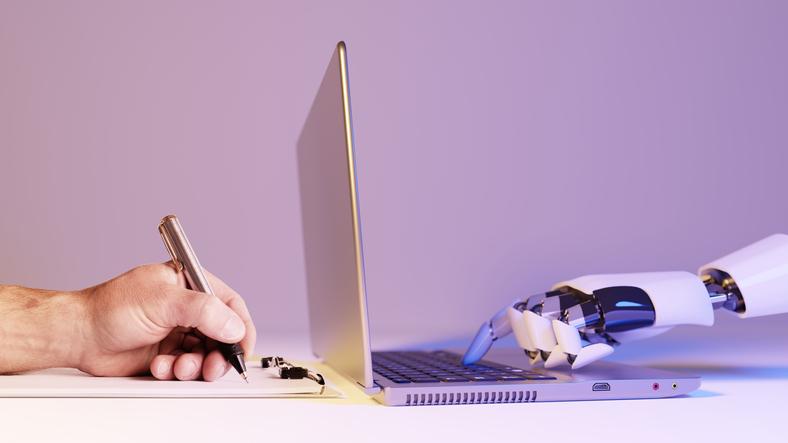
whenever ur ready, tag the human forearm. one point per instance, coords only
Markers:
(39, 329)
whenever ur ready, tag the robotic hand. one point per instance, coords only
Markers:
(580, 321)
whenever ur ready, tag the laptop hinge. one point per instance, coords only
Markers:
(369, 391)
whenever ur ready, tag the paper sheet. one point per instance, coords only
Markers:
(73, 383)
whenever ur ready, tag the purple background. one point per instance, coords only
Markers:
(502, 146)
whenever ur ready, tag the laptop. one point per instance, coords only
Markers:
(337, 298)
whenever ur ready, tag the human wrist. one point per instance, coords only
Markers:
(72, 328)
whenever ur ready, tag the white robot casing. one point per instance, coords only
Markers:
(760, 271)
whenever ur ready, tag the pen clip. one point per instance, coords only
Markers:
(175, 262)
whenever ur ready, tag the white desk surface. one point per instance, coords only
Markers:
(744, 397)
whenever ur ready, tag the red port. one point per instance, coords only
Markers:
(655, 386)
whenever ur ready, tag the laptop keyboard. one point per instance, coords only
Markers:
(442, 366)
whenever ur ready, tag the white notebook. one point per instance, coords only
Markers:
(73, 383)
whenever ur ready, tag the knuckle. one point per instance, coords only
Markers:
(163, 272)
(158, 272)
(240, 302)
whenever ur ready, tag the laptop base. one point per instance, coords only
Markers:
(601, 381)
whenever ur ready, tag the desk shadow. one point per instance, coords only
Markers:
(701, 393)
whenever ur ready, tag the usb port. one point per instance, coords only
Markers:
(601, 387)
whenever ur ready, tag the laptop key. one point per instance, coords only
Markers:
(454, 379)
(481, 378)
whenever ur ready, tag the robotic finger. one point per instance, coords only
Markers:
(490, 331)
(507, 320)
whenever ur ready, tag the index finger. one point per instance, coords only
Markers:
(235, 302)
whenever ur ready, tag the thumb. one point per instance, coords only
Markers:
(203, 312)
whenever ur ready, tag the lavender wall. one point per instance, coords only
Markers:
(502, 146)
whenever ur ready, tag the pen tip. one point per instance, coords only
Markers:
(246, 379)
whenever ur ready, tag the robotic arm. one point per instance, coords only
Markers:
(582, 320)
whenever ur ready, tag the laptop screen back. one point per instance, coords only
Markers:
(331, 228)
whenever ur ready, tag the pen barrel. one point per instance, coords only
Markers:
(183, 255)
(184, 259)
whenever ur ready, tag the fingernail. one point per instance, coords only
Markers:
(232, 330)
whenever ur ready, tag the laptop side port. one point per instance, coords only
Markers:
(600, 387)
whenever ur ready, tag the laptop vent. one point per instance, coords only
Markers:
(470, 398)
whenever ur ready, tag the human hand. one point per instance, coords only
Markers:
(147, 321)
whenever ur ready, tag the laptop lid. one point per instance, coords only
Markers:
(330, 217)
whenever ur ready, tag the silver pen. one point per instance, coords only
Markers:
(185, 260)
